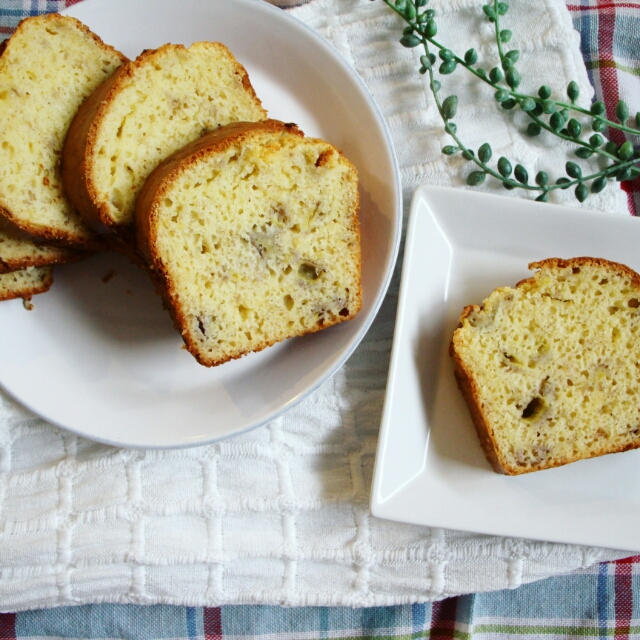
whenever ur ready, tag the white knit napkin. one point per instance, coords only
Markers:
(280, 515)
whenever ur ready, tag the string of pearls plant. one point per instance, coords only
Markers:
(561, 117)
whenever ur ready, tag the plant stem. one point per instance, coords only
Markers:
(421, 30)
(515, 94)
(541, 123)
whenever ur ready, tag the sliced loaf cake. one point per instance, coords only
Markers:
(153, 106)
(19, 250)
(47, 68)
(252, 233)
(25, 283)
(550, 369)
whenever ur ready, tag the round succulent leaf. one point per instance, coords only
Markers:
(447, 67)
(625, 152)
(575, 127)
(533, 129)
(622, 111)
(476, 178)
(573, 91)
(544, 92)
(596, 140)
(584, 152)
(496, 75)
(410, 41)
(471, 56)
(573, 170)
(485, 152)
(542, 178)
(449, 107)
(521, 174)
(431, 28)
(504, 167)
(512, 77)
(581, 192)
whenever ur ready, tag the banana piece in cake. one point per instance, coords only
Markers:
(19, 250)
(25, 283)
(153, 106)
(47, 68)
(550, 369)
(252, 233)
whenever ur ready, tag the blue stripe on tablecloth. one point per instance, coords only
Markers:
(13, 11)
(190, 617)
(625, 41)
(586, 23)
(602, 586)
(418, 616)
(106, 621)
(324, 622)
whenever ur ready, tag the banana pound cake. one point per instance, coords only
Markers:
(19, 250)
(252, 233)
(152, 107)
(25, 283)
(550, 369)
(47, 68)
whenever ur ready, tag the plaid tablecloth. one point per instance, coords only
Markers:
(600, 602)
(610, 43)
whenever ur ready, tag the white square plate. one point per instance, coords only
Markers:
(430, 468)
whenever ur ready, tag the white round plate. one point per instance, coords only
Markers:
(98, 354)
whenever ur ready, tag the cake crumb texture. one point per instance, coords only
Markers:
(550, 368)
(48, 67)
(154, 105)
(25, 283)
(19, 250)
(253, 234)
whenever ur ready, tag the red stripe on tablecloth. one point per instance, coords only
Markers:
(623, 599)
(603, 5)
(629, 560)
(608, 75)
(7, 626)
(443, 619)
(212, 621)
(630, 187)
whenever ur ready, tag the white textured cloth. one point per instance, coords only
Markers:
(280, 515)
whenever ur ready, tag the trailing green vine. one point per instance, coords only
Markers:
(560, 117)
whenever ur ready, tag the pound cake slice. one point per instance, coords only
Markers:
(153, 106)
(47, 68)
(19, 250)
(252, 234)
(25, 283)
(550, 369)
